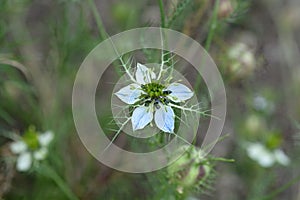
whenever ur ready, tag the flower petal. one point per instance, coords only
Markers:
(129, 94)
(254, 150)
(40, 154)
(24, 162)
(18, 147)
(45, 138)
(143, 74)
(266, 160)
(179, 93)
(141, 116)
(281, 157)
(165, 118)
(260, 154)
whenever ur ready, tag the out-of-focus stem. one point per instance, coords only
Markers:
(47, 171)
(98, 19)
(162, 13)
(211, 32)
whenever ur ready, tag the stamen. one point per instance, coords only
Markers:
(167, 92)
(157, 106)
(147, 103)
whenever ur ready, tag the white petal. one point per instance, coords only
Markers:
(281, 157)
(254, 150)
(260, 154)
(260, 103)
(180, 92)
(40, 154)
(18, 147)
(141, 116)
(165, 118)
(143, 74)
(237, 50)
(24, 162)
(129, 94)
(45, 138)
(266, 159)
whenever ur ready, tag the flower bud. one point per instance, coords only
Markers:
(191, 170)
(242, 60)
(225, 9)
(254, 124)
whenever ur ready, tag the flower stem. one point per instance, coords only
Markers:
(162, 13)
(101, 28)
(99, 22)
(213, 26)
(281, 189)
(211, 32)
(222, 159)
(116, 135)
(47, 171)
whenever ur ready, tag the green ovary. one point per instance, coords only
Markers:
(153, 90)
(31, 139)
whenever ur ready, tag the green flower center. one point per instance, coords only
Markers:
(31, 139)
(154, 92)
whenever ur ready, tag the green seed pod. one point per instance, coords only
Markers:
(191, 170)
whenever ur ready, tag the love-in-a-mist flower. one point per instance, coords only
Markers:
(152, 99)
(30, 148)
(265, 157)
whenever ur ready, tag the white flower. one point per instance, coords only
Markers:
(24, 161)
(260, 103)
(265, 157)
(259, 153)
(45, 138)
(243, 60)
(151, 100)
(18, 147)
(281, 158)
(27, 154)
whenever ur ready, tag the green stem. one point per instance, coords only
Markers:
(180, 7)
(281, 189)
(213, 26)
(162, 13)
(98, 19)
(101, 28)
(47, 171)
(222, 159)
(211, 32)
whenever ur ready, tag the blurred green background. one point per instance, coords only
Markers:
(255, 44)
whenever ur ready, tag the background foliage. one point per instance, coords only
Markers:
(42, 44)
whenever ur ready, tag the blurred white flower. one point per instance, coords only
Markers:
(243, 60)
(24, 161)
(254, 124)
(18, 147)
(45, 138)
(148, 97)
(31, 147)
(259, 153)
(281, 157)
(260, 103)
(265, 157)
(225, 9)
(40, 154)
